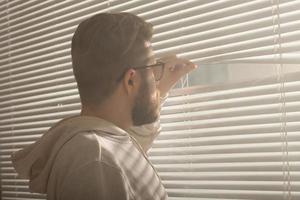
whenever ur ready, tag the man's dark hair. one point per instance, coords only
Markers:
(103, 46)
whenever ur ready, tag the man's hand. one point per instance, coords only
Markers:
(175, 68)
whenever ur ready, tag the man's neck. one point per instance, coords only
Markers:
(113, 113)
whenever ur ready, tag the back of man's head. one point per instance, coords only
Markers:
(102, 47)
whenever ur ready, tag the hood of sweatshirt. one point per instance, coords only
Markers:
(36, 160)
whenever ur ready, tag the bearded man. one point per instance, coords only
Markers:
(101, 154)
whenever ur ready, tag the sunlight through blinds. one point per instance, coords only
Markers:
(230, 141)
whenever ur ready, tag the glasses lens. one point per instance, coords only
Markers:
(158, 71)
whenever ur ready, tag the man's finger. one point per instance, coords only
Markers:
(186, 65)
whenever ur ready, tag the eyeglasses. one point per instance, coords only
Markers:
(157, 68)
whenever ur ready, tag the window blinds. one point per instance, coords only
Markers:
(226, 142)
(237, 141)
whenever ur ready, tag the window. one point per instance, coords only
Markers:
(230, 129)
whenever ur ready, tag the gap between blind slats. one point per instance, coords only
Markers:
(255, 134)
(178, 124)
(216, 31)
(236, 102)
(208, 8)
(72, 17)
(41, 111)
(225, 167)
(22, 194)
(21, 77)
(46, 86)
(16, 5)
(234, 130)
(196, 144)
(198, 167)
(33, 119)
(206, 143)
(240, 16)
(15, 181)
(32, 82)
(219, 158)
(291, 58)
(228, 142)
(59, 47)
(44, 40)
(172, 101)
(230, 185)
(147, 10)
(183, 122)
(208, 48)
(61, 14)
(16, 198)
(67, 95)
(156, 34)
(196, 91)
(8, 147)
(20, 74)
(19, 139)
(208, 12)
(265, 117)
(245, 176)
(213, 130)
(232, 121)
(266, 86)
(169, 116)
(66, 37)
(181, 114)
(13, 5)
(230, 148)
(234, 51)
(166, 14)
(45, 101)
(217, 54)
(50, 57)
(215, 37)
(210, 109)
(33, 131)
(176, 113)
(39, 100)
(44, 123)
(257, 175)
(207, 103)
(229, 45)
(231, 194)
(36, 66)
(37, 84)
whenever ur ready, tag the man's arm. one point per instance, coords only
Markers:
(94, 181)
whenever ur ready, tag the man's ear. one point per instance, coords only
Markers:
(130, 81)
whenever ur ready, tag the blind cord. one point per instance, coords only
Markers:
(282, 98)
(10, 79)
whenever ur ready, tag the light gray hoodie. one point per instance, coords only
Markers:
(84, 157)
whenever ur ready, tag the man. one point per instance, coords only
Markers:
(101, 153)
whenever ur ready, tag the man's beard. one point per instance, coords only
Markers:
(145, 111)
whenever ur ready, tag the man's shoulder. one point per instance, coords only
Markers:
(83, 147)
(89, 146)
